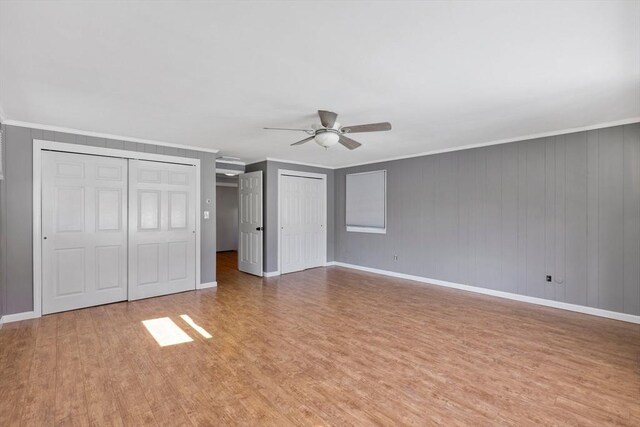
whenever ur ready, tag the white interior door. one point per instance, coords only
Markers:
(302, 223)
(162, 228)
(250, 226)
(292, 221)
(84, 231)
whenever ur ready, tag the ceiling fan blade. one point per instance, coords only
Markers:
(303, 141)
(349, 143)
(371, 127)
(327, 118)
(302, 130)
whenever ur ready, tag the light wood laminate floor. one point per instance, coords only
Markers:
(328, 346)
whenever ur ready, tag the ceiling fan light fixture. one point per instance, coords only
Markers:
(326, 139)
(331, 132)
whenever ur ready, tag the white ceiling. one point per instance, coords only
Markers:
(212, 74)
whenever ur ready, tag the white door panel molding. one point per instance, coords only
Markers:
(162, 228)
(88, 198)
(302, 220)
(84, 231)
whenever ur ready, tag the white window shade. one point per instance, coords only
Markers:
(366, 202)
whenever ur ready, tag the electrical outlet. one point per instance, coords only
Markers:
(395, 257)
(206, 214)
(548, 278)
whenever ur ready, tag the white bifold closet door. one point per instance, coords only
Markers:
(162, 227)
(302, 222)
(84, 231)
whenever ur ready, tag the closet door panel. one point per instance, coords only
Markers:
(302, 223)
(162, 223)
(84, 231)
(293, 252)
(314, 232)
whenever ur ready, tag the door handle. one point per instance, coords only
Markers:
(259, 228)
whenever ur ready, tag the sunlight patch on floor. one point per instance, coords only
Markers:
(199, 329)
(166, 332)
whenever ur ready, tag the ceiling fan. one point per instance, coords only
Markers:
(331, 132)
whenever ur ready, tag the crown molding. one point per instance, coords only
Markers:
(313, 165)
(465, 147)
(107, 135)
(292, 162)
(500, 141)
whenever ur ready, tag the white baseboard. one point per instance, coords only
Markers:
(277, 272)
(207, 285)
(516, 297)
(8, 318)
(271, 273)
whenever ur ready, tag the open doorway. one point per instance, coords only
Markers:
(227, 172)
(227, 223)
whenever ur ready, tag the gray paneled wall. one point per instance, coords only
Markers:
(221, 164)
(503, 217)
(16, 207)
(227, 218)
(3, 240)
(270, 210)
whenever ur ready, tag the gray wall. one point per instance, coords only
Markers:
(3, 241)
(16, 207)
(227, 218)
(221, 164)
(270, 194)
(504, 216)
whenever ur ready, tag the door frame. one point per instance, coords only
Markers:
(40, 145)
(300, 174)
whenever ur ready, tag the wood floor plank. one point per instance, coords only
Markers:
(328, 346)
(70, 401)
(16, 370)
(129, 392)
(102, 406)
(41, 392)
